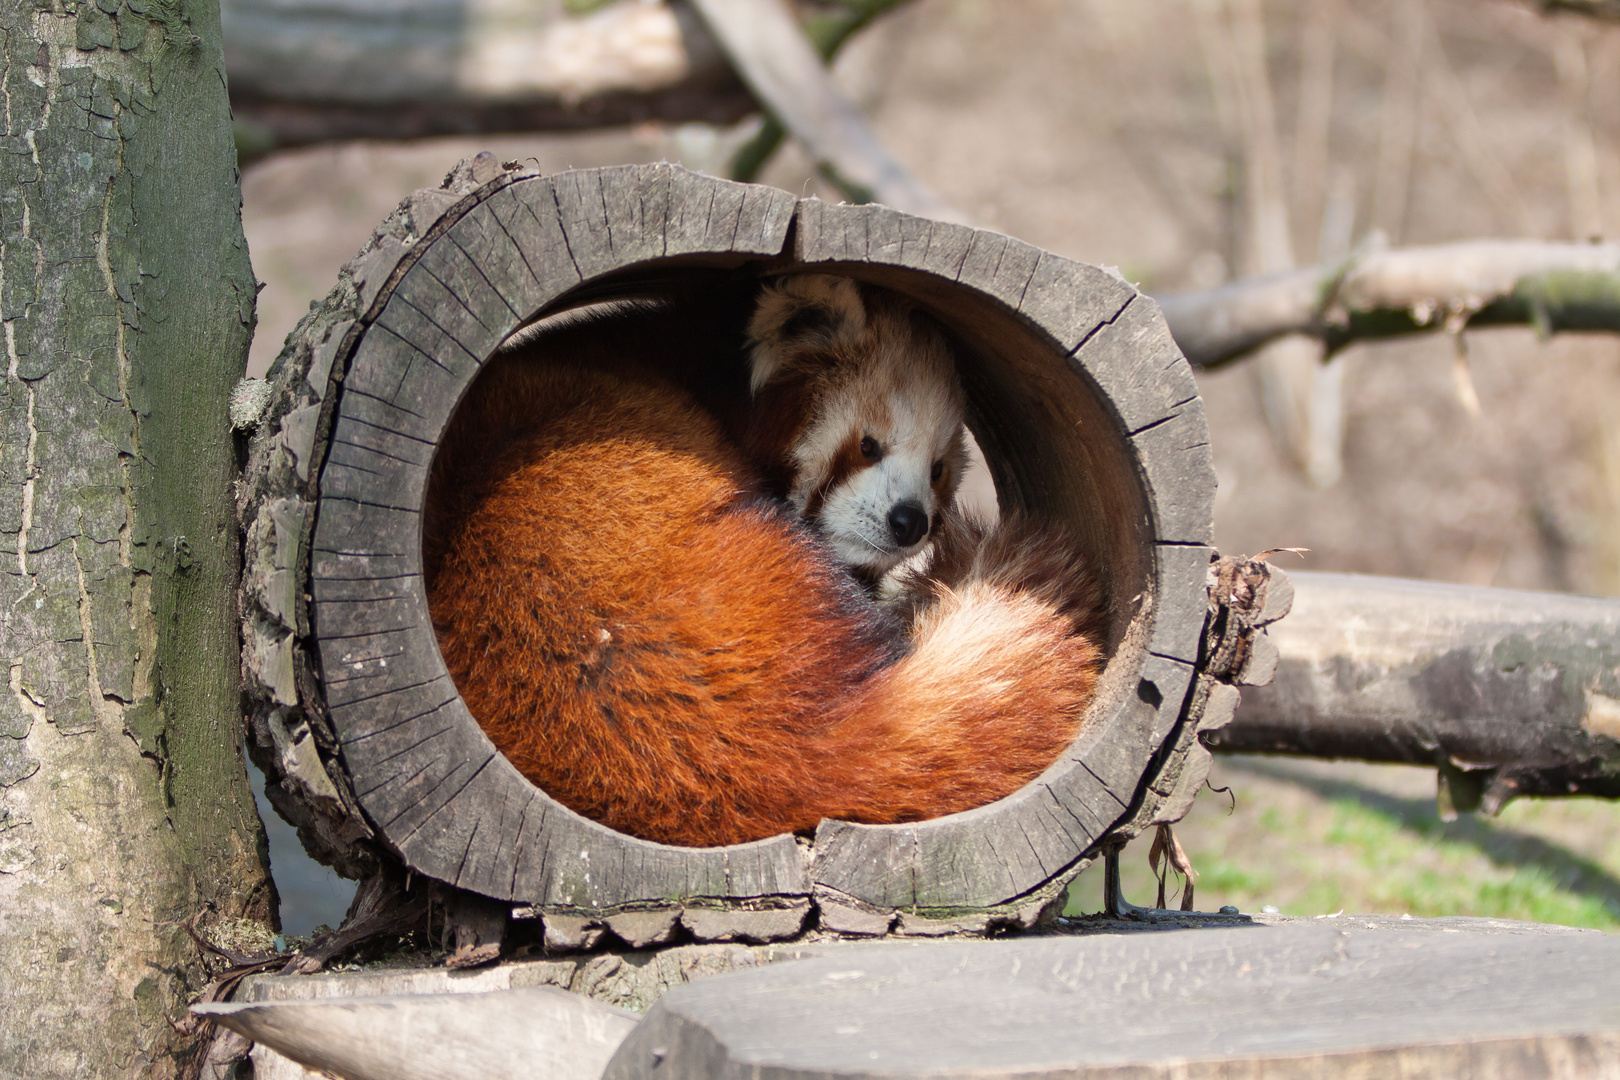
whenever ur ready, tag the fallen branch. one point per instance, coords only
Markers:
(1509, 693)
(1607, 10)
(828, 33)
(776, 60)
(1551, 287)
(304, 72)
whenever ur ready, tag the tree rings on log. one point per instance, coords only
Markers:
(1087, 414)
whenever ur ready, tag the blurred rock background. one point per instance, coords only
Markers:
(1188, 142)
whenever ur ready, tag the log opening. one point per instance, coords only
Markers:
(1087, 414)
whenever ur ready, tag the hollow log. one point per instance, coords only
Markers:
(1085, 410)
(1509, 693)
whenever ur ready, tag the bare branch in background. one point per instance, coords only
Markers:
(305, 72)
(1301, 397)
(1509, 693)
(828, 32)
(777, 61)
(1551, 287)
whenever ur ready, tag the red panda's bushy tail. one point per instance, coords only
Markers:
(660, 652)
(1006, 655)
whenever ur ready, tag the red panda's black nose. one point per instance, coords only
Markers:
(908, 523)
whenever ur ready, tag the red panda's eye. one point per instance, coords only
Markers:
(869, 448)
(939, 471)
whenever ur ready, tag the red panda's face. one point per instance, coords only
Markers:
(859, 396)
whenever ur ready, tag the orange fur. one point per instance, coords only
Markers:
(662, 648)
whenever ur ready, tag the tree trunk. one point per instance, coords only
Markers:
(127, 304)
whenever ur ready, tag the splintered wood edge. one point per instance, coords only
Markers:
(421, 322)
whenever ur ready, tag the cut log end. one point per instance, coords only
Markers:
(1083, 406)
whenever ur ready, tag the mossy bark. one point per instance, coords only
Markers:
(126, 300)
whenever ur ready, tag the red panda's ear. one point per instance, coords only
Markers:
(800, 318)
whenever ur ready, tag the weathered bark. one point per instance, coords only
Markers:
(1451, 287)
(1509, 693)
(127, 304)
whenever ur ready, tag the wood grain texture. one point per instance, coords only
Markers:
(533, 1031)
(1078, 395)
(1517, 692)
(1349, 998)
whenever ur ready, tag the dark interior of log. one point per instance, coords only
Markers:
(1055, 447)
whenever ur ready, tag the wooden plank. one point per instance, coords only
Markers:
(347, 525)
(572, 862)
(1074, 302)
(1346, 998)
(408, 363)
(582, 213)
(874, 864)
(763, 221)
(358, 440)
(1117, 754)
(829, 232)
(387, 420)
(527, 212)
(534, 1031)
(357, 472)
(336, 566)
(698, 209)
(502, 270)
(1000, 267)
(470, 262)
(613, 217)
(1180, 470)
(409, 796)
(378, 729)
(637, 202)
(426, 313)
(1162, 685)
(1181, 600)
(1137, 365)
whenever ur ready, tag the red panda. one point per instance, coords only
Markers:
(657, 618)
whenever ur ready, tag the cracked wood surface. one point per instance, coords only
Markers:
(1084, 406)
(126, 300)
(1348, 997)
